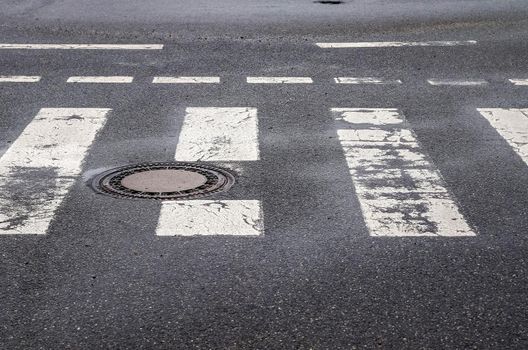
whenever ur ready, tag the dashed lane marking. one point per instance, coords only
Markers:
(373, 44)
(101, 79)
(520, 82)
(81, 46)
(457, 82)
(40, 167)
(400, 191)
(512, 125)
(215, 134)
(279, 80)
(186, 80)
(366, 80)
(19, 79)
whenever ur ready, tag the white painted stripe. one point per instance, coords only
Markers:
(186, 80)
(218, 134)
(400, 191)
(455, 82)
(366, 80)
(19, 79)
(393, 44)
(82, 46)
(279, 80)
(512, 125)
(520, 82)
(209, 217)
(40, 167)
(101, 80)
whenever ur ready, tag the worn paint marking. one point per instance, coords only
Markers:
(400, 191)
(81, 46)
(456, 82)
(519, 82)
(40, 167)
(219, 134)
(101, 79)
(279, 80)
(210, 217)
(367, 80)
(186, 80)
(512, 125)
(19, 79)
(373, 44)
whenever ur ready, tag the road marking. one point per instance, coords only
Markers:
(455, 82)
(186, 80)
(218, 134)
(512, 125)
(215, 134)
(101, 80)
(366, 80)
(372, 44)
(81, 46)
(209, 217)
(520, 82)
(279, 80)
(41, 166)
(19, 79)
(400, 191)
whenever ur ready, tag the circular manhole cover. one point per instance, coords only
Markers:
(167, 181)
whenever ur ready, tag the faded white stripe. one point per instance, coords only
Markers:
(520, 82)
(186, 80)
(400, 191)
(19, 79)
(455, 82)
(279, 80)
(101, 79)
(366, 80)
(40, 167)
(82, 46)
(218, 134)
(210, 217)
(512, 125)
(393, 44)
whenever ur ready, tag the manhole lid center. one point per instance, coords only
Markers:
(163, 180)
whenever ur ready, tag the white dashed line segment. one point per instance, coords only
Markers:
(100, 80)
(455, 82)
(374, 44)
(41, 166)
(366, 80)
(19, 79)
(186, 80)
(512, 125)
(400, 191)
(6, 46)
(279, 80)
(520, 82)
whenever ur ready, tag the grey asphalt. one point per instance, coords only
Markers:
(102, 279)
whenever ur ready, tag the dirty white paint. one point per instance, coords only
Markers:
(366, 80)
(209, 217)
(279, 80)
(186, 80)
(218, 134)
(101, 79)
(19, 79)
(520, 82)
(455, 82)
(81, 46)
(512, 125)
(40, 167)
(393, 44)
(400, 191)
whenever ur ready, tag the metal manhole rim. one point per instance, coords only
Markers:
(102, 182)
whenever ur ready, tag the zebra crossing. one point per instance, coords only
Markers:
(400, 190)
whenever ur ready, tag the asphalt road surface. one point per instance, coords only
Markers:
(379, 151)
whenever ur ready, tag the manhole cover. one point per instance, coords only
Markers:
(166, 181)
